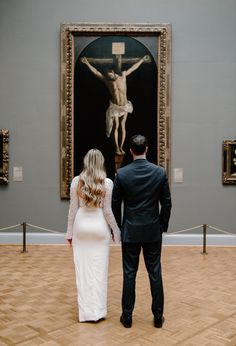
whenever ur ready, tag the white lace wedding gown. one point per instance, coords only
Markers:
(90, 233)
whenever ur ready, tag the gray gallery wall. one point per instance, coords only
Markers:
(203, 102)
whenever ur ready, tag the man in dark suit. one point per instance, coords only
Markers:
(143, 188)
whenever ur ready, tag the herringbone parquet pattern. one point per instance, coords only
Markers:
(38, 300)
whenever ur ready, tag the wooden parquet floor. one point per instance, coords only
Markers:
(38, 300)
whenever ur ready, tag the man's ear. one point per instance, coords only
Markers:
(131, 151)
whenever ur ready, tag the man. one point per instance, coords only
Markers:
(119, 107)
(143, 187)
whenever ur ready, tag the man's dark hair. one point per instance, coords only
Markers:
(138, 144)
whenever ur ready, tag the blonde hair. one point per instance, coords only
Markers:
(91, 184)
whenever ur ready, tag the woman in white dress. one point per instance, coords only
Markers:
(91, 226)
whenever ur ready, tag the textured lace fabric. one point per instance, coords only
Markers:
(76, 202)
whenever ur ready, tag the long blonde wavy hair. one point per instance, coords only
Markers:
(91, 184)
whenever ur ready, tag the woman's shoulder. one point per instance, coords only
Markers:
(75, 180)
(108, 182)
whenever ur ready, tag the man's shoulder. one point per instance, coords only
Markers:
(156, 167)
(124, 171)
(125, 168)
(160, 170)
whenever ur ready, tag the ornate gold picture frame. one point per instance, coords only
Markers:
(4, 156)
(229, 162)
(90, 111)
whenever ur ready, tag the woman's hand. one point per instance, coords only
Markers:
(115, 237)
(112, 237)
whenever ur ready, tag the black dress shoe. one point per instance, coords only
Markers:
(158, 322)
(126, 321)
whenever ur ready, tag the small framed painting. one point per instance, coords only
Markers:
(4, 156)
(229, 162)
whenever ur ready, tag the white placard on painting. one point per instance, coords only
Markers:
(17, 174)
(178, 175)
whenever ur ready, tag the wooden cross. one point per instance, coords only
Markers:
(118, 49)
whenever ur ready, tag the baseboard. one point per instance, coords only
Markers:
(197, 239)
(16, 238)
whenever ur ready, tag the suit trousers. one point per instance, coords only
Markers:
(130, 261)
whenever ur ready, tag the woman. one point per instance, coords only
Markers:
(88, 231)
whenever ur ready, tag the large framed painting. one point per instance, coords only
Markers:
(115, 82)
(4, 156)
(229, 162)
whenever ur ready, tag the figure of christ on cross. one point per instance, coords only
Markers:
(119, 107)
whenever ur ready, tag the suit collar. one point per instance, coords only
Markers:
(137, 161)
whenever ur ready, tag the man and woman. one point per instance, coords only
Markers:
(143, 189)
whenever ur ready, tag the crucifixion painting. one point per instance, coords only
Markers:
(115, 83)
(115, 80)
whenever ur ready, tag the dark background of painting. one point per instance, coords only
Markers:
(91, 100)
(1, 153)
(233, 157)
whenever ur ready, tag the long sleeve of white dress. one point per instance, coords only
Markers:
(107, 211)
(74, 205)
